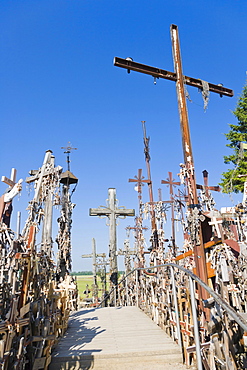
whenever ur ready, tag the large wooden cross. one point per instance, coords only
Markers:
(180, 79)
(112, 212)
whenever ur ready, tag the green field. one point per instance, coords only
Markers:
(83, 281)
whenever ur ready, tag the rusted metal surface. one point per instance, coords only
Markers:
(199, 255)
(167, 75)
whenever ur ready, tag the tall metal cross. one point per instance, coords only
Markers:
(112, 212)
(184, 124)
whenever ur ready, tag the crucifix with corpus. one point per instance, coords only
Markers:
(6, 199)
(181, 79)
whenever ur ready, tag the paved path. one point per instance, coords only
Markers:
(121, 338)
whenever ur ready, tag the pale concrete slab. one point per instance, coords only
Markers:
(115, 338)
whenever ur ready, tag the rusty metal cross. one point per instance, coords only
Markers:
(139, 180)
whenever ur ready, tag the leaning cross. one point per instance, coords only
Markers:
(112, 212)
(180, 79)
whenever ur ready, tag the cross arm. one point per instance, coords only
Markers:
(168, 182)
(125, 212)
(87, 255)
(161, 73)
(215, 188)
(99, 212)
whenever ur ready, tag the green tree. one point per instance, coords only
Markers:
(237, 136)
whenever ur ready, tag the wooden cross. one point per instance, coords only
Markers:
(180, 79)
(6, 199)
(112, 212)
(94, 256)
(127, 252)
(11, 182)
(205, 184)
(216, 222)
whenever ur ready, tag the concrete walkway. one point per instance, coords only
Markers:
(119, 338)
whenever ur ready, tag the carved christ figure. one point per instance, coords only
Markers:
(6, 203)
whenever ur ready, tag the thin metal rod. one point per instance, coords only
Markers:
(195, 321)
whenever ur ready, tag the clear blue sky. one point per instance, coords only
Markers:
(58, 84)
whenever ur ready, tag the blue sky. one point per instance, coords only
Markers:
(58, 84)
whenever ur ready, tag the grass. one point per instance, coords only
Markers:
(83, 281)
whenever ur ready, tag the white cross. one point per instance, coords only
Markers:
(15, 188)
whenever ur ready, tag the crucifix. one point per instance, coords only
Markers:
(112, 212)
(6, 199)
(94, 256)
(180, 79)
(155, 242)
(171, 183)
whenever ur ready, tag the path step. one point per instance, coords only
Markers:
(115, 338)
